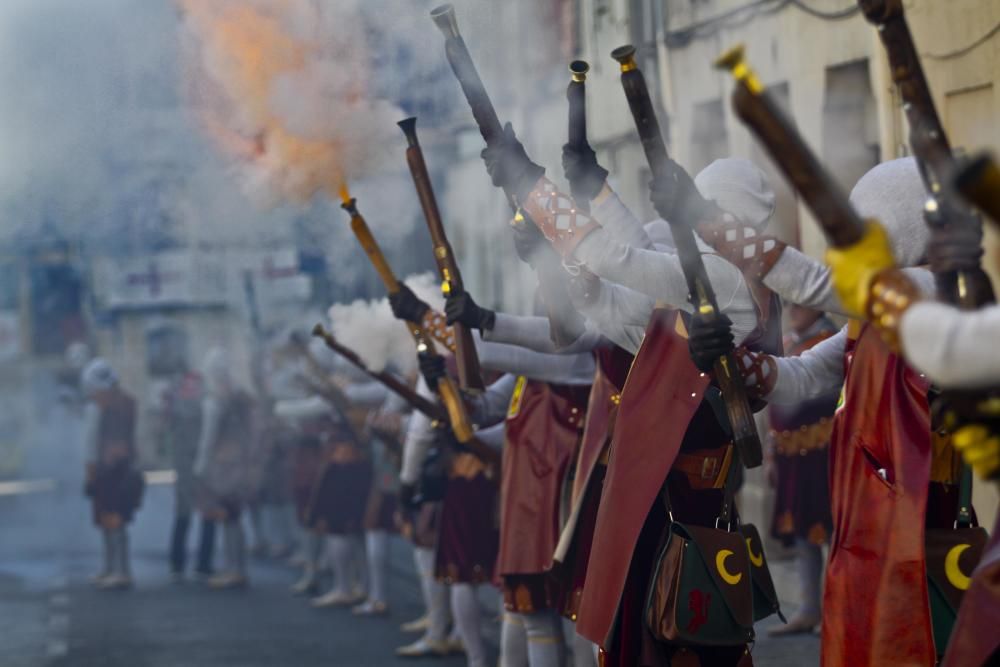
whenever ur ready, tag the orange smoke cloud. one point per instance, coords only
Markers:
(281, 87)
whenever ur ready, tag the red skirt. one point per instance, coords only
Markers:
(802, 498)
(381, 511)
(116, 489)
(469, 537)
(341, 498)
(305, 477)
(575, 568)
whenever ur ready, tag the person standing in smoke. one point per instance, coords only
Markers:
(223, 463)
(180, 429)
(800, 439)
(113, 484)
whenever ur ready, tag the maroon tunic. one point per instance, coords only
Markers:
(468, 535)
(661, 412)
(875, 604)
(117, 486)
(340, 495)
(543, 431)
(800, 435)
(612, 368)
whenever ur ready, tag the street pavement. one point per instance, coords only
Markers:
(51, 616)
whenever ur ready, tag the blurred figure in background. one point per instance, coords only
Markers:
(113, 484)
(179, 427)
(800, 439)
(223, 463)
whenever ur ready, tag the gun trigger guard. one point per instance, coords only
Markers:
(572, 268)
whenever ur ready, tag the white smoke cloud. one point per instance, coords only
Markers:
(369, 328)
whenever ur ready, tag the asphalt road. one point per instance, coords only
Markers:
(51, 616)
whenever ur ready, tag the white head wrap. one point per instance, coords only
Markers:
(98, 376)
(893, 194)
(740, 188)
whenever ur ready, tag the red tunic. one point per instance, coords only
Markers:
(660, 398)
(875, 604)
(544, 426)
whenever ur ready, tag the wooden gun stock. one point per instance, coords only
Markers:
(470, 375)
(434, 411)
(821, 193)
(967, 287)
(726, 370)
(449, 394)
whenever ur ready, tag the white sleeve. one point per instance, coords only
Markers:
(91, 424)
(659, 275)
(816, 372)
(534, 333)
(369, 394)
(620, 314)
(556, 368)
(954, 348)
(490, 406)
(418, 439)
(211, 418)
(619, 221)
(493, 435)
(799, 278)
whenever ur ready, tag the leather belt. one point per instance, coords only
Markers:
(706, 469)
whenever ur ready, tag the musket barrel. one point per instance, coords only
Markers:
(726, 369)
(469, 372)
(576, 96)
(468, 77)
(823, 195)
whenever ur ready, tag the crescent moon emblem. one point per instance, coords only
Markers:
(720, 565)
(951, 569)
(758, 559)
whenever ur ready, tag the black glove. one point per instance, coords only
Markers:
(708, 340)
(586, 177)
(527, 240)
(460, 307)
(407, 306)
(676, 198)
(432, 368)
(407, 495)
(954, 246)
(509, 166)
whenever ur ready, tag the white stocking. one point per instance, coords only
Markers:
(435, 594)
(513, 641)
(545, 640)
(465, 611)
(377, 547)
(810, 566)
(339, 552)
(584, 653)
(234, 541)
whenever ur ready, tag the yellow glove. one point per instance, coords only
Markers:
(980, 448)
(854, 268)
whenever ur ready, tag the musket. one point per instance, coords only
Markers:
(700, 292)
(433, 411)
(966, 286)
(841, 224)
(391, 382)
(978, 181)
(470, 375)
(576, 96)
(446, 389)
(566, 324)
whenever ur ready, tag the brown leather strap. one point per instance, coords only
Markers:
(705, 470)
